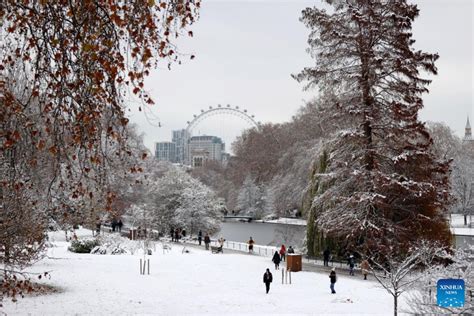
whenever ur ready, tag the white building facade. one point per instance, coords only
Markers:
(203, 148)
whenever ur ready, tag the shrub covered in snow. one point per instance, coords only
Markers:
(83, 245)
(115, 244)
(99, 250)
(112, 244)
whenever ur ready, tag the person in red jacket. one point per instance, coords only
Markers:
(282, 252)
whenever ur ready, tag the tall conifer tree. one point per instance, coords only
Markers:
(384, 189)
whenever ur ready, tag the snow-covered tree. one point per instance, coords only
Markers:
(199, 208)
(463, 184)
(174, 199)
(398, 274)
(382, 183)
(447, 145)
(290, 182)
(248, 196)
(255, 200)
(458, 265)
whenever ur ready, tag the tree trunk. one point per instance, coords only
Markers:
(395, 305)
(465, 219)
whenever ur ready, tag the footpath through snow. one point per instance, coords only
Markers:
(197, 282)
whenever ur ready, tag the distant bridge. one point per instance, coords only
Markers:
(247, 218)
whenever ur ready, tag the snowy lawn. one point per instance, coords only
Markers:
(190, 283)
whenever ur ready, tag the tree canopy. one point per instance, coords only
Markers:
(383, 186)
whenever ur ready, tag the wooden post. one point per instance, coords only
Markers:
(286, 277)
(149, 268)
(289, 272)
(282, 275)
(141, 266)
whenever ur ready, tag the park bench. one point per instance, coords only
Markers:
(215, 249)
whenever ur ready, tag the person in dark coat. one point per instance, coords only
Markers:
(183, 233)
(172, 233)
(276, 260)
(120, 225)
(176, 235)
(326, 255)
(200, 237)
(351, 263)
(207, 241)
(267, 279)
(291, 250)
(333, 278)
(114, 224)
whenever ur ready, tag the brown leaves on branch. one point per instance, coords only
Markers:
(65, 70)
(79, 54)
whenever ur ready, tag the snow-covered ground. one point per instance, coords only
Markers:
(457, 220)
(286, 220)
(197, 282)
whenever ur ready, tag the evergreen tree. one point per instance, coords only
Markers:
(384, 188)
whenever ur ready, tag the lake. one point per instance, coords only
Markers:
(269, 234)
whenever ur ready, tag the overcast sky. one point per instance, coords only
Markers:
(247, 50)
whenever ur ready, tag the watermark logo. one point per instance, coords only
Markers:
(450, 293)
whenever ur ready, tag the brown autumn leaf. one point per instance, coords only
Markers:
(8, 143)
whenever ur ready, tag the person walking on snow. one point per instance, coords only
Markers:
(282, 252)
(351, 263)
(267, 279)
(326, 255)
(364, 265)
(200, 237)
(276, 260)
(207, 241)
(332, 278)
(251, 242)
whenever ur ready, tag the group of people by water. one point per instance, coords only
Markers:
(278, 257)
(179, 233)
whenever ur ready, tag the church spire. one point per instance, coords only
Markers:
(468, 133)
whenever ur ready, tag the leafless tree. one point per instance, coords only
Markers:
(459, 265)
(398, 272)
